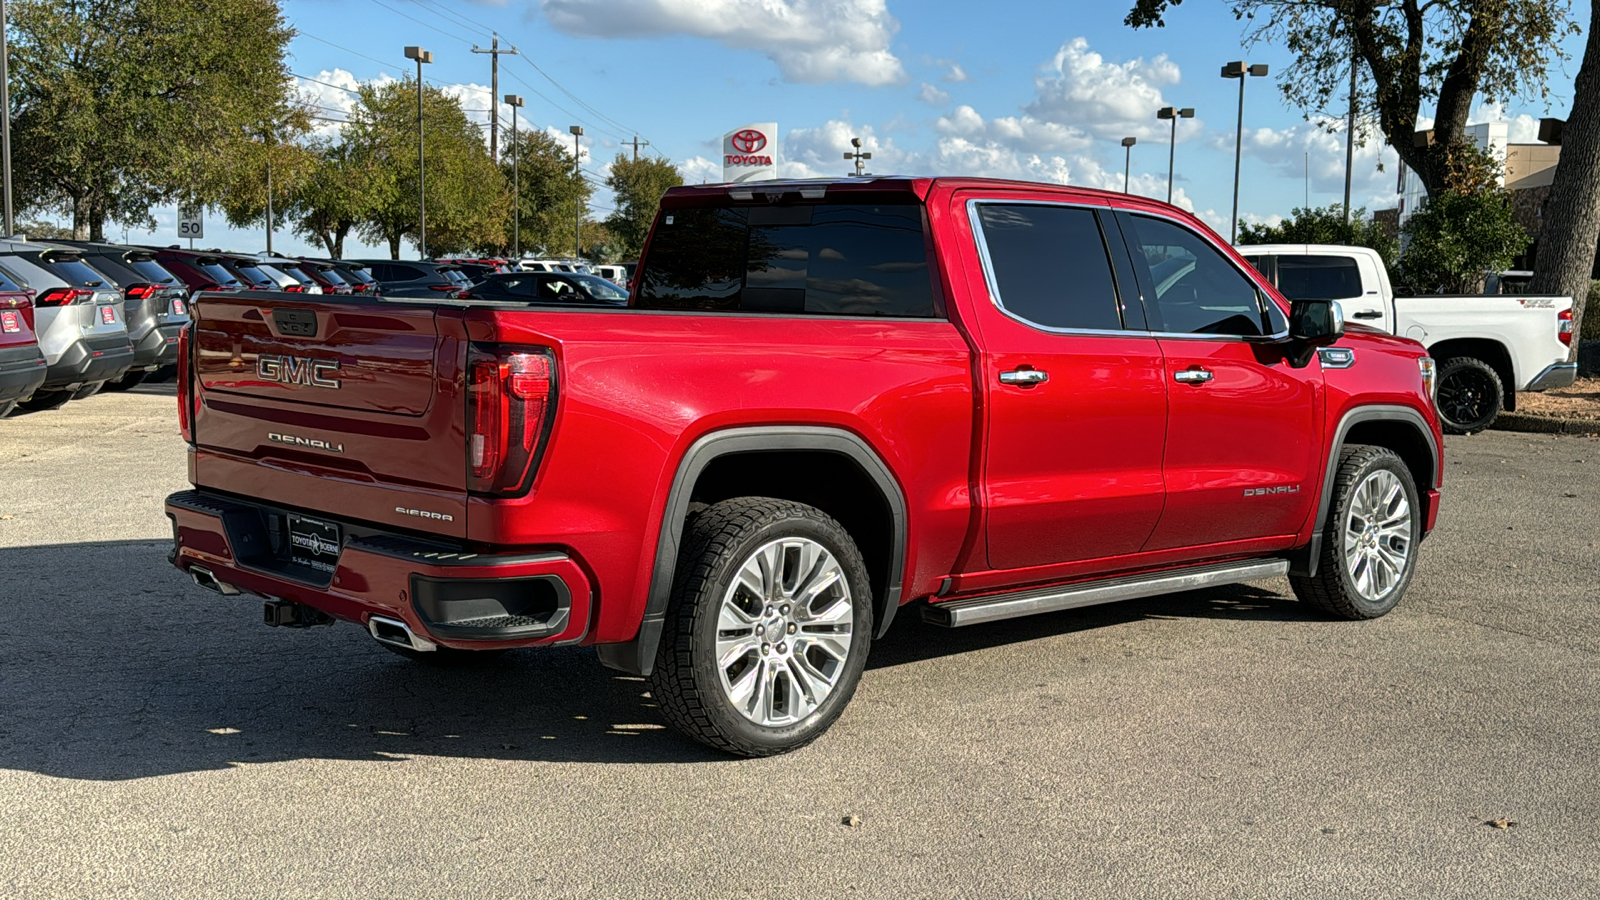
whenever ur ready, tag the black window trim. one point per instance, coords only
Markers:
(1117, 272)
(1249, 274)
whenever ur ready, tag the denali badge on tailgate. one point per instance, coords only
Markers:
(298, 370)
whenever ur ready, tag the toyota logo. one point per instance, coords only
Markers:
(748, 140)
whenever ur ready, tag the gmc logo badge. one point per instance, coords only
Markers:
(298, 370)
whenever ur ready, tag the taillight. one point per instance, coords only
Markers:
(1564, 326)
(511, 399)
(294, 288)
(186, 389)
(61, 296)
(445, 287)
(139, 292)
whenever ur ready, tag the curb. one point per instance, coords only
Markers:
(1544, 424)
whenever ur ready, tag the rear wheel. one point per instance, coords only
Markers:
(134, 378)
(767, 630)
(1369, 545)
(43, 400)
(1469, 396)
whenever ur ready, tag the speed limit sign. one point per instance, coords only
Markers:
(191, 222)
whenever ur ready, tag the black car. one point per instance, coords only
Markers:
(155, 304)
(248, 271)
(422, 278)
(357, 274)
(550, 288)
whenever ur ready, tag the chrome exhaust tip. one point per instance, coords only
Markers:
(203, 577)
(396, 633)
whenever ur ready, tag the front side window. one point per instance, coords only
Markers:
(1319, 277)
(1050, 265)
(1196, 289)
(841, 259)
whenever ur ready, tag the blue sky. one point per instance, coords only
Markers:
(1037, 90)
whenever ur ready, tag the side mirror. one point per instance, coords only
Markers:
(1316, 322)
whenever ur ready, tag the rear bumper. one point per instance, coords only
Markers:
(448, 596)
(22, 370)
(84, 363)
(1555, 375)
(158, 347)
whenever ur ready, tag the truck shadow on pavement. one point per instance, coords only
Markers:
(113, 666)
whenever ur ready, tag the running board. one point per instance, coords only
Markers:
(1041, 600)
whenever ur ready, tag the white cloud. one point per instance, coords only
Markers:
(955, 74)
(1316, 150)
(1080, 89)
(932, 95)
(810, 40)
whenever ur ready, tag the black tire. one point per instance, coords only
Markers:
(1333, 589)
(7, 407)
(132, 379)
(1469, 396)
(446, 657)
(44, 400)
(88, 390)
(686, 683)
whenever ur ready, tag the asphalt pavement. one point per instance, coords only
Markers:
(157, 741)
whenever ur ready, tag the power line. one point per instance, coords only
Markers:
(326, 84)
(445, 11)
(448, 34)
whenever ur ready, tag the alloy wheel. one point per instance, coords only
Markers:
(1377, 535)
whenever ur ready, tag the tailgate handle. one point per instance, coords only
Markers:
(295, 322)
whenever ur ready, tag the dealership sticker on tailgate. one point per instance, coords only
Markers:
(10, 322)
(108, 315)
(314, 543)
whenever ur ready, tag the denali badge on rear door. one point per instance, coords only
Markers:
(299, 441)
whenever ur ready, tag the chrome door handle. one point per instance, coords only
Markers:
(1368, 314)
(1024, 377)
(1193, 376)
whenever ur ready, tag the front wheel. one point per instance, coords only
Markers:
(43, 400)
(767, 629)
(1470, 395)
(1369, 544)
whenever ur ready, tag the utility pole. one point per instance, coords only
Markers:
(494, 52)
(635, 142)
(1239, 70)
(858, 156)
(1350, 135)
(421, 56)
(1173, 113)
(1127, 159)
(577, 172)
(5, 123)
(515, 102)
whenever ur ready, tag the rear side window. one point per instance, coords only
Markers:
(9, 282)
(1319, 277)
(396, 272)
(825, 259)
(1050, 265)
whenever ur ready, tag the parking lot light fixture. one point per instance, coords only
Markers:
(577, 171)
(421, 56)
(1174, 113)
(1127, 159)
(1240, 70)
(515, 102)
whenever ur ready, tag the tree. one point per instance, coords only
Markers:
(337, 197)
(552, 191)
(1465, 231)
(122, 104)
(466, 197)
(1326, 225)
(1571, 227)
(1409, 51)
(638, 185)
(269, 165)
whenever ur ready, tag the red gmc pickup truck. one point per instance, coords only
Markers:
(824, 401)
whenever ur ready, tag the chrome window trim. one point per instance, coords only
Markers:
(1246, 274)
(982, 241)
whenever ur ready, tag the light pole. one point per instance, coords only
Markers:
(515, 102)
(577, 172)
(858, 156)
(1239, 70)
(1127, 159)
(1173, 113)
(421, 56)
(5, 123)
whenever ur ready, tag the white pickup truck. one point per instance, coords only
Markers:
(1487, 347)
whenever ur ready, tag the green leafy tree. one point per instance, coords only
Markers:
(118, 105)
(338, 196)
(551, 191)
(1408, 52)
(270, 165)
(466, 196)
(1326, 225)
(638, 185)
(1466, 230)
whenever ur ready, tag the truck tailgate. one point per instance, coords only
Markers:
(350, 405)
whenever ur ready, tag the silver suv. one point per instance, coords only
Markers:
(78, 318)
